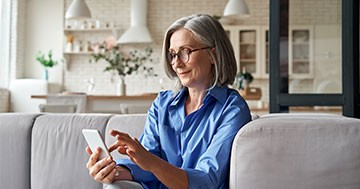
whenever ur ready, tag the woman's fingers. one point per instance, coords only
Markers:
(122, 150)
(115, 132)
(102, 170)
(126, 140)
(88, 150)
(131, 147)
(103, 174)
(114, 146)
(118, 143)
(93, 157)
(110, 177)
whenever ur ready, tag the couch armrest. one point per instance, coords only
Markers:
(15, 149)
(297, 151)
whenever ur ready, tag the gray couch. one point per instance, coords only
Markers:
(41, 151)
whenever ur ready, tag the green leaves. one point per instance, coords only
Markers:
(243, 79)
(48, 61)
(124, 64)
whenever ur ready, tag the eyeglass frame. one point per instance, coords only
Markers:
(188, 53)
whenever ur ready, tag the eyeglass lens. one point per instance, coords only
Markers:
(183, 55)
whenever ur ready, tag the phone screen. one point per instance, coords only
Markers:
(94, 140)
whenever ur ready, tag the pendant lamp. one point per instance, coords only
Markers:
(236, 9)
(78, 10)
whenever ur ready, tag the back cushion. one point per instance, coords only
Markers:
(58, 156)
(15, 140)
(133, 124)
(297, 151)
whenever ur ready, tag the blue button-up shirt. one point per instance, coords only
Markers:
(199, 143)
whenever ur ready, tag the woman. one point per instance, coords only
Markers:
(189, 132)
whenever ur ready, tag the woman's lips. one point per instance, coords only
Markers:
(183, 73)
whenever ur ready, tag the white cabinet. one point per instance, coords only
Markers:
(301, 61)
(251, 46)
(246, 43)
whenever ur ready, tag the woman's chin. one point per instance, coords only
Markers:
(184, 83)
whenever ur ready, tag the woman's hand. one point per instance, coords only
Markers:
(169, 175)
(133, 149)
(103, 170)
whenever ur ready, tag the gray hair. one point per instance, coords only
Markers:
(210, 32)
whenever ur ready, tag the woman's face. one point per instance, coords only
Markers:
(196, 73)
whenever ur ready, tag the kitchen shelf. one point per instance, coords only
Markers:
(90, 30)
(94, 30)
(83, 38)
(78, 53)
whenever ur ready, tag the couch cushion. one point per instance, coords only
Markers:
(58, 157)
(15, 140)
(133, 124)
(297, 151)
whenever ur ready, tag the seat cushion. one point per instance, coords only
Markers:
(297, 151)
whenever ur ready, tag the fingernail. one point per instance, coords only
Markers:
(109, 159)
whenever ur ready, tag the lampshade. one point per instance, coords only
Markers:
(78, 10)
(236, 9)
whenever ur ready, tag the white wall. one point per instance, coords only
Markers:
(161, 13)
(43, 31)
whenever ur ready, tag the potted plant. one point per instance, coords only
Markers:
(47, 61)
(243, 80)
(121, 63)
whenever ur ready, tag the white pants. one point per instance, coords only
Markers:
(124, 185)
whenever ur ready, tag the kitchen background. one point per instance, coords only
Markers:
(41, 26)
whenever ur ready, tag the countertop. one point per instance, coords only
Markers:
(108, 97)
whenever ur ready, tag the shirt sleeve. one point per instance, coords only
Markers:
(212, 169)
(150, 141)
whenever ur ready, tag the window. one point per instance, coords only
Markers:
(5, 7)
(336, 55)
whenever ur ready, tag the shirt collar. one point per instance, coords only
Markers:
(179, 96)
(219, 93)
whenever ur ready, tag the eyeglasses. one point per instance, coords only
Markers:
(183, 55)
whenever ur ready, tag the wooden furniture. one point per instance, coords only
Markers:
(251, 93)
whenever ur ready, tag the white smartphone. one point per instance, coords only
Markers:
(94, 140)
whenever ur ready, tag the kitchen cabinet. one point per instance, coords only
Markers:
(251, 46)
(301, 63)
(246, 43)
